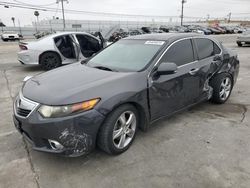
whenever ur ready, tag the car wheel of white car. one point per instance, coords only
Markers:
(50, 60)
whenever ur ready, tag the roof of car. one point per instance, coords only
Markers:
(67, 33)
(162, 36)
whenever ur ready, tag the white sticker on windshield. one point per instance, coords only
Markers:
(155, 42)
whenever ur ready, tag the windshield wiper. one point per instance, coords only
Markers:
(105, 68)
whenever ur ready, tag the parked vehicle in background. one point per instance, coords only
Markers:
(129, 85)
(244, 38)
(60, 48)
(205, 30)
(39, 35)
(239, 30)
(164, 28)
(146, 30)
(10, 35)
(229, 30)
(222, 31)
(134, 32)
(214, 31)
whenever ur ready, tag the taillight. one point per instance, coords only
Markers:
(23, 47)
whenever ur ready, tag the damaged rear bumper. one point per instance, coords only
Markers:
(71, 136)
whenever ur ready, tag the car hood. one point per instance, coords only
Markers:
(74, 83)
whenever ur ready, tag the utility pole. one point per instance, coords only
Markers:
(62, 11)
(182, 10)
(208, 17)
(13, 20)
(229, 17)
(20, 30)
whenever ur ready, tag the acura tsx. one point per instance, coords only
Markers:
(125, 87)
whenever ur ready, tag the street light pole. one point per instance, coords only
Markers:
(182, 10)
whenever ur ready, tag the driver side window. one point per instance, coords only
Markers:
(179, 53)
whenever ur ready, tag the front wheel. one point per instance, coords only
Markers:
(118, 131)
(222, 85)
(239, 44)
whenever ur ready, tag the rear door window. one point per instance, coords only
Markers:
(180, 53)
(65, 45)
(206, 48)
(88, 45)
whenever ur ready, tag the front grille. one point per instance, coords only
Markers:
(23, 112)
(23, 107)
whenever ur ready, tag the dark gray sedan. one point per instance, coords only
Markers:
(125, 87)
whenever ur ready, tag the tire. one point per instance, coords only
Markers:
(222, 85)
(239, 44)
(108, 139)
(50, 60)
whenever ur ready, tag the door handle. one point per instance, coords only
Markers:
(194, 71)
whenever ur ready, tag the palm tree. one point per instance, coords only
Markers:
(13, 20)
(36, 13)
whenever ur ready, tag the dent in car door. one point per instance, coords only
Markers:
(206, 50)
(170, 93)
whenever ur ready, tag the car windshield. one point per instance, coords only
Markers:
(126, 55)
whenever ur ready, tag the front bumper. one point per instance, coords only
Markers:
(77, 134)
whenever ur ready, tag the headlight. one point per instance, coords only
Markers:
(61, 111)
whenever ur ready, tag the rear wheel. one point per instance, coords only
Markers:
(239, 44)
(119, 129)
(222, 86)
(50, 60)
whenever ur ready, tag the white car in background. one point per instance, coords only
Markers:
(61, 48)
(244, 38)
(10, 35)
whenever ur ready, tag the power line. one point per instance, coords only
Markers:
(71, 11)
(8, 5)
(23, 3)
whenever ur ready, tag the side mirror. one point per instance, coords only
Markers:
(217, 58)
(84, 61)
(167, 68)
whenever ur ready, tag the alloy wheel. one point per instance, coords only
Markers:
(124, 129)
(225, 88)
